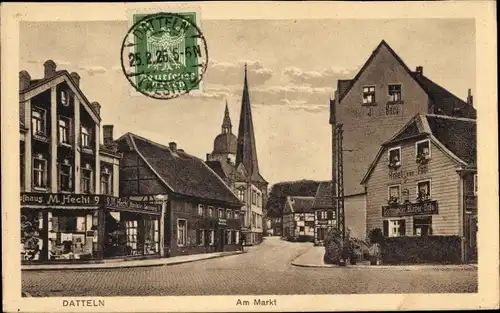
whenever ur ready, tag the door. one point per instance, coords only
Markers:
(221, 239)
(471, 236)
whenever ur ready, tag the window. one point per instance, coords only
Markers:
(211, 237)
(181, 232)
(106, 182)
(396, 228)
(65, 177)
(254, 219)
(302, 217)
(395, 93)
(228, 237)
(475, 184)
(39, 173)
(131, 232)
(86, 179)
(38, 121)
(64, 127)
(395, 157)
(64, 97)
(241, 194)
(422, 225)
(86, 137)
(236, 215)
(422, 151)
(394, 194)
(229, 214)
(200, 237)
(211, 211)
(201, 209)
(254, 197)
(221, 213)
(301, 228)
(369, 95)
(423, 190)
(322, 215)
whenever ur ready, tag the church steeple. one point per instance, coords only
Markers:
(226, 122)
(246, 151)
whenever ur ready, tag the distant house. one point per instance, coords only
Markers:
(423, 182)
(201, 211)
(298, 219)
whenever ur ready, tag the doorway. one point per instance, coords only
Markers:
(221, 239)
(471, 236)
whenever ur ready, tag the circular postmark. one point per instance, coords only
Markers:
(164, 55)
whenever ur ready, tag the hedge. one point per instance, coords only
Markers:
(422, 249)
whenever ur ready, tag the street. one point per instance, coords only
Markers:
(264, 269)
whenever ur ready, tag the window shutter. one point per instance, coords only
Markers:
(386, 228)
(402, 227)
(330, 215)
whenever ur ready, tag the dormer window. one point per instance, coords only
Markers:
(423, 151)
(368, 95)
(395, 157)
(395, 93)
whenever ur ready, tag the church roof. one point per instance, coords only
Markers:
(246, 151)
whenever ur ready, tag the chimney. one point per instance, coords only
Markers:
(97, 107)
(107, 134)
(50, 68)
(24, 80)
(420, 70)
(76, 78)
(470, 98)
(208, 156)
(172, 146)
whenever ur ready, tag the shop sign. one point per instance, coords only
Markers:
(322, 222)
(222, 221)
(410, 209)
(405, 174)
(59, 199)
(129, 205)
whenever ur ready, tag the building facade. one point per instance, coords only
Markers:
(423, 182)
(200, 214)
(69, 180)
(234, 159)
(298, 219)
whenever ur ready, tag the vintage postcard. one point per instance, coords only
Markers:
(270, 156)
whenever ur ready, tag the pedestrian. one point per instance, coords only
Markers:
(242, 241)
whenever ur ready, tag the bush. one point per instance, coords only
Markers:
(352, 247)
(424, 249)
(376, 236)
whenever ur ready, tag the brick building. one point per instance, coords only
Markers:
(201, 213)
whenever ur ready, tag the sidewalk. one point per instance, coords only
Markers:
(314, 258)
(107, 264)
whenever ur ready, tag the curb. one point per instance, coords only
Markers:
(390, 267)
(120, 265)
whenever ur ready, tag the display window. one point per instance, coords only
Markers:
(71, 235)
(31, 235)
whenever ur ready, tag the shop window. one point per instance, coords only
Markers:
(65, 176)
(394, 157)
(201, 209)
(151, 236)
(422, 151)
(85, 137)
(394, 195)
(211, 237)
(200, 237)
(395, 228)
(38, 118)
(395, 93)
(106, 182)
(131, 233)
(424, 190)
(369, 95)
(39, 173)
(211, 211)
(475, 184)
(86, 179)
(229, 214)
(422, 225)
(181, 232)
(64, 130)
(228, 237)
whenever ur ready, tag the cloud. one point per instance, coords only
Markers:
(228, 73)
(290, 95)
(215, 93)
(92, 70)
(327, 77)
(59, 63)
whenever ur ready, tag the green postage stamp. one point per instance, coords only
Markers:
(164, 55)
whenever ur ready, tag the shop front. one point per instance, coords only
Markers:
(77, 227)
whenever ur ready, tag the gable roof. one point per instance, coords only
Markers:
(324, 194)
(444, 101)
(298, 204)
(180, 172)
(453, 135)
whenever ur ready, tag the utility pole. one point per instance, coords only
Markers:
(340, 188)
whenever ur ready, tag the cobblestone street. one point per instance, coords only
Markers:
(265, 269)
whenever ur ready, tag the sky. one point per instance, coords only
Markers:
(293, 69)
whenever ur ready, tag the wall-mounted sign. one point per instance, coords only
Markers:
(124, 204)
(410, 209)
(59, 199)
(422, 169)
(222, 221)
